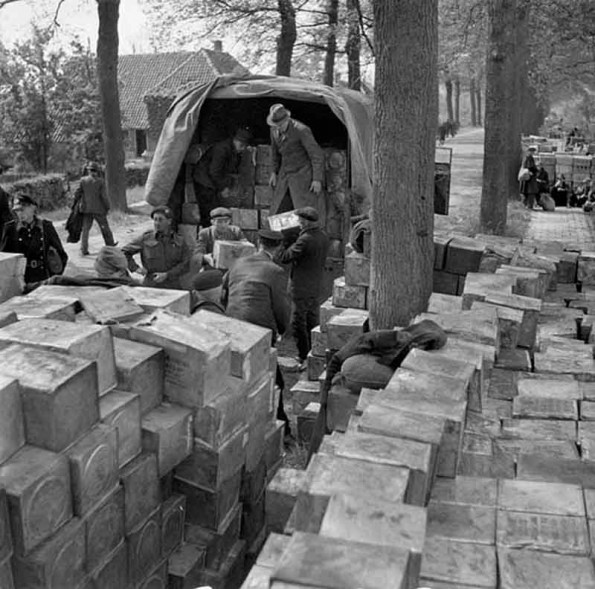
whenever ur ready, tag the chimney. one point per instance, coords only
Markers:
(218, 45)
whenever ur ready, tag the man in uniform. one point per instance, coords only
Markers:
(297, 162)
(255, 291)
(307, 257)
(220, 229)
(206, 292)
(165, 256)
(94, 205)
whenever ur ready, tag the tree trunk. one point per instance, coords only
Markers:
(457, 101)
(478, 104)
(519, 73)
(499, 105)
(472, 101)
(286, 38)
(332, 9)
(107, 73)
(353, 45)
(406, 102)
(449, 108)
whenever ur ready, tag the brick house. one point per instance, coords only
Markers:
(149, 82)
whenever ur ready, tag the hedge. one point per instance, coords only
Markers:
(48, 191)
(137, 173)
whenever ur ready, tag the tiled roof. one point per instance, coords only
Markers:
(164, 73)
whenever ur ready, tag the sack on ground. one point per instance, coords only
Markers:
(547, 202)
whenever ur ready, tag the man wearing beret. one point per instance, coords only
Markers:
(206, 292)
(307, 257)
(165, 255)
(255, 291)
(297, 162)
(92, 201)
(36, 239)
(220, 229)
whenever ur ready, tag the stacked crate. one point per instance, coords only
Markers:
(12, 273)
(105, 443)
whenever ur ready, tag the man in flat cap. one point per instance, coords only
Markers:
(215, 172)
(206, 292)
(256, 291)
(307, 257)
(92, 201)
(298, 164)
(220, 229)
(165, 255)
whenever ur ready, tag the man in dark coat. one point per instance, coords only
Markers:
(92, 201)
(530, 187)
(34, 237)
(206, 292)
(297, 162)
(255, 291)
(307, 257)
(215, 171)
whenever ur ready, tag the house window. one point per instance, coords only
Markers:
(141, 142)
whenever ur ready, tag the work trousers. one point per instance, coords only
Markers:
(305, 317)
(106, 232)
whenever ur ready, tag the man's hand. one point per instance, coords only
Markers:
(142, 271)
(315, 187)
(225, 193)
(208, 258)
(273, 180)
(159, 277)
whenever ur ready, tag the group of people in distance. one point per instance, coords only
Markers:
(278, 286)
(538, 188)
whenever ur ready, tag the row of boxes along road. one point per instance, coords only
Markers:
(135, 455)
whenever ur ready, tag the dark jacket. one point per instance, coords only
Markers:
(91, 196)
(34, 241)
(198, 303)
(255, 290)
(295, 150)
(159, 253)
(307, 257)
(216, 168)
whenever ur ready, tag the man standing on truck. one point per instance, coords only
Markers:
(297, 163)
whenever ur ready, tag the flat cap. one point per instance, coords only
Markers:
(220, 212)
(271, 235)
(207, 279)
(308, 213)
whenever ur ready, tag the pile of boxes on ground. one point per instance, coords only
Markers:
(135, 440)
(474, 467)
(575, 168)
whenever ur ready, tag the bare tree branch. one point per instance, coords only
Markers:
(3, 3)
(58, 12)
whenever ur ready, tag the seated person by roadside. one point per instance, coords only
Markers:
(543, 181)
(580, 193)
(165, 255)
(220, 229)
(111, 271)
(561, 192)
(206, 292)
(36, 238)
(370, 360)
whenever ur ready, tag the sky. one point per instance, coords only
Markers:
(76, 18)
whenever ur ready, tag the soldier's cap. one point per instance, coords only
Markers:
(308, 213)
(163, 210)
(207, 279)
(93, 167)
(277, 114)
(24, 200)
(271, 235)
(532, 147)
(220, 212)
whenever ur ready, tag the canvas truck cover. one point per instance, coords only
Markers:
(352, 108)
